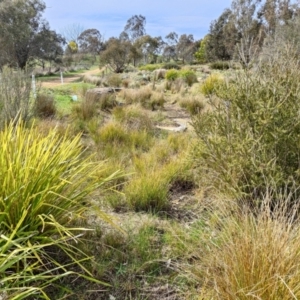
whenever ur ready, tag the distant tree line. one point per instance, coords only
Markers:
(239, 33)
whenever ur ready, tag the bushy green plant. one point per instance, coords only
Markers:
(148, 192)
(44, 187)
(171, 65)
(211, 84)
(150, 67)
(172, 74)
(250, 140)
(220, 65)
(15, 99)
(189, 76)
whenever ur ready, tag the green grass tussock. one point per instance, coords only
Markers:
(45, 183)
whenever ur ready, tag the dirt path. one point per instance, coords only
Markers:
(57, 81)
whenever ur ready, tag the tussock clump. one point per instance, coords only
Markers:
(251, 255)
(92, 79)
(159, 74)
(45, 184)
(125, 83)
(211, 83)
(157, 101)
(117, 140)
(15, 90)
(114, 80)
(178, 86)
(194, 105)
(86, 109)
(220, 65)
(45, 106)
(132, 96)
(147, 193)
(172, 74)
(134, 118)
(189, 76)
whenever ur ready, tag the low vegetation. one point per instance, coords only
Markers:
(103, 196)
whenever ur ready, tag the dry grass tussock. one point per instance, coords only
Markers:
(133, 117)
(92, 79)
(250, 254)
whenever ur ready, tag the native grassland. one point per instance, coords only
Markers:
(182, 185)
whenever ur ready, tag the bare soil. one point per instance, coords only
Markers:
(57, 81)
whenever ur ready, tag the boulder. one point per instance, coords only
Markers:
(98, 93)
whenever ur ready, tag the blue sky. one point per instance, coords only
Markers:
(110, 16)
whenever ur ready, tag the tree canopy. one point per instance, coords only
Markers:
(24, 34)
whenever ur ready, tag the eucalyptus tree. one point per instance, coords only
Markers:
(186, 48)
(23, 32)
(117, 54)
(169, 51)
(135, 27)
(90, 41)
(248, 26)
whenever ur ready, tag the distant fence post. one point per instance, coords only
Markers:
(33, 86)
(61, 77)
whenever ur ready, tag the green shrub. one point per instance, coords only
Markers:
(172, 74)
(171, 65)
(189, 76)
(150, 67)
(249, 143)
(211, 84)
(45, 106)
(45, 184)
(220, 65)
(15, 100)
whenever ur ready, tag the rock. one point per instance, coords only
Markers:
(106, 90)
(99, 92)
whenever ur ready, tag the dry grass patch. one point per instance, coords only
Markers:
(193, 104)
(250, 255)
(133, 117)
(96, 80)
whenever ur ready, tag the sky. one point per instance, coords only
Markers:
(110, 16)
